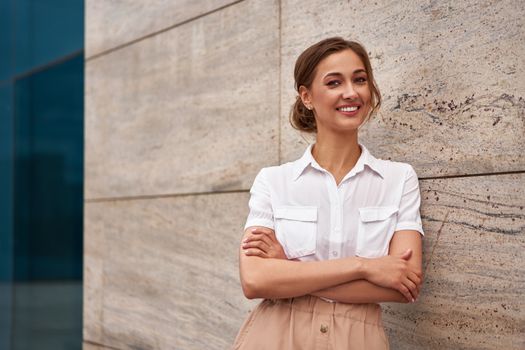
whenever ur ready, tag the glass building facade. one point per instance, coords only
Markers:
(41, 173)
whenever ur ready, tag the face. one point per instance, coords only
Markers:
(339, 95)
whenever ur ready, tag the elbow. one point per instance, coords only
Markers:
(249, 290)
(252, 287)
(250, 294)
(256, 281)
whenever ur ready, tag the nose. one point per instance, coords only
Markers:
(349, 92)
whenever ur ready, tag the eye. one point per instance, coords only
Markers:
(333, 83)
(360, 80)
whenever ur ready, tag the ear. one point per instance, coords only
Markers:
(305, 96)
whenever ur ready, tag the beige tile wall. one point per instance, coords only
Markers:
(193, 109)
(186, 100)
(111, 24)
(472, 297)
(161, 273)
(451, 75)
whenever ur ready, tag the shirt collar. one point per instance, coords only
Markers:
(366, 158)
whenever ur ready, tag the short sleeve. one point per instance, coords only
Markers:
(409, 217)
(261, 213)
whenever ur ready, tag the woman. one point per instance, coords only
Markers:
(334, 233)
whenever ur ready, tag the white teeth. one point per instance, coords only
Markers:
(348, 109)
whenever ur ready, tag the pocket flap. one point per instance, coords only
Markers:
(376, 213)
(296, 213)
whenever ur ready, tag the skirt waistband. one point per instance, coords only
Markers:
(367, 313)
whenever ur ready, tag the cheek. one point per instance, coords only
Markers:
(365, 92)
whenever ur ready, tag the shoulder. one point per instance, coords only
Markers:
(281, 176)
(394, 169)
(277, 171)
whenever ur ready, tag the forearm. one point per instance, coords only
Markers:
(360, 292)
(267, 276)
(277, 278)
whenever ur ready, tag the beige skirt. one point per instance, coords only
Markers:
(309, 322)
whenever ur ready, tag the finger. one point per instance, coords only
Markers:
(254, 252)
(406, 293)
(255, 236)
(268, 237)
(414, 278)
(412, 288)
(252, 237)
(268, 241)
(269, 234)
(257, 245)
(262, 230)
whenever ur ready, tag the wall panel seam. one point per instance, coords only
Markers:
(159, 196)
(42, 67)
(100, 345)
(471, 175)
(279, 125)
(147, 36)
(175, 195)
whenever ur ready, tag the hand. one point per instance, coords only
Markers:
(261, 241)
(396, 273)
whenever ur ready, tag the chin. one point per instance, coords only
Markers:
(345, 129)
(350, 124)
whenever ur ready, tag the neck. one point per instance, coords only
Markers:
(337, 153)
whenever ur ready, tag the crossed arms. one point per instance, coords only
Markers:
(266, 273)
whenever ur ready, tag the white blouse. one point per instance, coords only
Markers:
(315, 219)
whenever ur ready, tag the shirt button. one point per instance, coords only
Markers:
(324, 328)
(334, 253)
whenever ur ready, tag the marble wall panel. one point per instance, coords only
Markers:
(450, 72)
(474, 267)
(163, 273)
(193, 109)
(113, 23)
(94, 281)
(196, 109)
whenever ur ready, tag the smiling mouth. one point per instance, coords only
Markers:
(348, 109)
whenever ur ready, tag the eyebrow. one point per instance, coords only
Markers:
(339, 74)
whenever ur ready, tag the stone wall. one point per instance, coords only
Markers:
(186, 100)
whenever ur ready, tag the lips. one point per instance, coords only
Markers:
(349, 110)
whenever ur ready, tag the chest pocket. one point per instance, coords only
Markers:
(376, 227)
(296, 230)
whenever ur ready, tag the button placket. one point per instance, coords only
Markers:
(338, 223)
(334, 215)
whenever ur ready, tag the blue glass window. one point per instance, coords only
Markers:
(49, 173)
(41, 174)
(46, 30)
(6, 214)
(6, 40)
(6, 182)
(48, 202)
